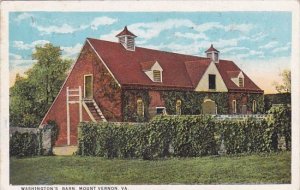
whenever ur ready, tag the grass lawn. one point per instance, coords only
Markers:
(258, 168)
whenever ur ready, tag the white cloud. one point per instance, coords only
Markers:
(62, 29)
(111, 36)
(193, 36)
(146, 31)
(284, 48)
(24, 46)
(102, 21)
(68, 29)
(22, 17)
(208, 26)
(238, 27)
(233, 49)
(71, 52)
(250, 54)
(258, 36)
(269, 45)
(13, 56)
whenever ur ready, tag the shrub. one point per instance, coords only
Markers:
(180, 136)
(25, 144)
(281, 121)
(183, 136)
(111, 140)
(249, 135)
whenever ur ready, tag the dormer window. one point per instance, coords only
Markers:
(153, 70)
(237, 77)
(126, 38)
(156, 76)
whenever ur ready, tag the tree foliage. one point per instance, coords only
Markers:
(32, 95)
(285, 87)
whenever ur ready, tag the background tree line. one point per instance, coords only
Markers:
(32, 94)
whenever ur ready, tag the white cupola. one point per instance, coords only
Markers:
(126, 38)
(213, 54)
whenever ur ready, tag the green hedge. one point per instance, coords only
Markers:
(111, 140)
(180, 136)
(249, 135)
(25, 144)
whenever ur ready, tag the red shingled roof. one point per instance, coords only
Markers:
(125, 32)
(147, 65)
(196, 69)
(179, 70)
(224, 66)
(233, 74)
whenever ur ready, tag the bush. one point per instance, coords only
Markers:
(111, 140)
(180, 136)
(281, 121)
(25, 144)
(184, 136)
(249, 135)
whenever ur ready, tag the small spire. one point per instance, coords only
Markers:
(211, 49)
(126, 32)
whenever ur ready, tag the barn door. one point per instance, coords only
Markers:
(88, 86)
(209, 107)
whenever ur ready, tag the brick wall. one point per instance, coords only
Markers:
(241, 100)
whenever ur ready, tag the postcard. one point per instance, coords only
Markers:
(121, 95)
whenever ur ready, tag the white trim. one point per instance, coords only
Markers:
(103, 63)
(68, 117)
(80, 104)
(254, 106)
(143, 107)
(163, 108)
(84, 94)
(63, 84)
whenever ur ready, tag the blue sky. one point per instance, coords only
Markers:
(259, 42)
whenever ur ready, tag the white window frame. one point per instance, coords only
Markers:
(233, 106)
(84, 94)
(160, 74)
(143, 107)
(164, 109)
(254, 106)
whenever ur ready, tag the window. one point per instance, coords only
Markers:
(156, 76)
(140, 107)
(254, 106)
(241, 82)
(130, 43)
(178, 107)
(216, 57)
(160, 110)
(212, 82)
(209, 55)
(233, 106)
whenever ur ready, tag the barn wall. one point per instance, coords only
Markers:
(108, 100)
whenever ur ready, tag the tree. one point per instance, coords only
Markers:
(286, 79)
(32, 95)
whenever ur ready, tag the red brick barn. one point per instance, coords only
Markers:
(121, 82)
